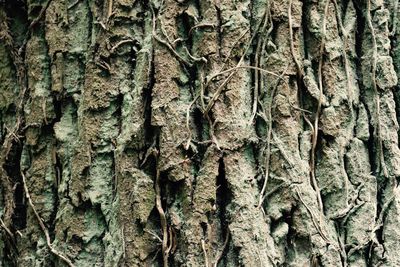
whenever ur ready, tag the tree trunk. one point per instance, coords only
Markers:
(199, 133)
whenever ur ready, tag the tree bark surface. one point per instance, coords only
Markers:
(199, 133)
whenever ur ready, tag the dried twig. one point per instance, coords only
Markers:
(316, 121)
(121, 43)
(349, 89)
(201, 25)
(73, 4)
(224, 62)
(350, 209)
(300, 74)
(154, 235)
(193, 58)
(172, 240)
(298, 66)
(163, 219)
(269, 134)
(282, 149)
(379, 222)
(241, 67)
(166, 43)
(299, 109)
(42, 226)
(346, 62)
(212, 127)
(203, 247)
(201, 77)
(257, 64)
(381, 165)
(343, 254)
(316, 224)
(123, 241)
(219, 256)
(188, 122)
(232, 70)
(110, 9)
(41, 14)
(6, 229)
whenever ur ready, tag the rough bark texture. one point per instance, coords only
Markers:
(199, 133)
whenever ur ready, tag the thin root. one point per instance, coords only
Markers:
(42, 226)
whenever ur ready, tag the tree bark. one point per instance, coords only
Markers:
(199, 133)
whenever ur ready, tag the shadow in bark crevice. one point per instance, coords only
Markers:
(223, 198)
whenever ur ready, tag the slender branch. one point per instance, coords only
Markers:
(42, 226)
(382, 165)
(257, 64)
(6, 229)
(163, 220)
(73, 4)
(203, 246)
(110, 9)
(41, 14)
(201, 25)
(298, 66)
(379, 222)
(218, 258)
(316, 121)
(121, 43)
(154, 235)
(232, 72)
(316, 224)
(167, 44)
(268, 156)
(346, 62)
(238, 65)
(188, 122)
